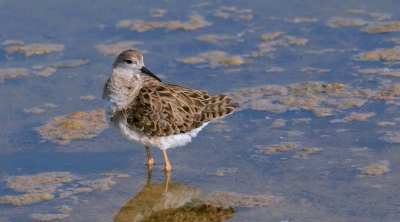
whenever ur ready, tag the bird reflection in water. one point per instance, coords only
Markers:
(170, 202)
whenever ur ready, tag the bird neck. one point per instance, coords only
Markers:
(123, 87)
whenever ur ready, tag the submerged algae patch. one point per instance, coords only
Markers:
(64, 209)
(359, 116)
(49, 105)
(382, 27)
(53, 185)
(279, 123)
(381, 55)
(275, 70)
(383, 124)
(35, 49)
(45, 72)
(284, 147)
(221, 172)
(391, 137)
(37, 110)
(375, 169)
(24, 199)
(313, 70)
(381, 72)
(12, 42)
(301, 120)
(215, 59)
(157, 13)
(196, 21)
(79, 125)
(217, 38)
(380, 16)
(306, 152)
(278, 148)
(117, 175)
(37, 188)
(34, 110)
(100, 184)
(49, 217)
(87, 97)
(323, 51)
(238, 14)
(302, 20)
(322, 99)
(337, 22)
(12, 73)
(44, 182)
(70, 63)
(285, 41)
(271, 36)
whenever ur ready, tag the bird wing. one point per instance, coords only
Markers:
(166, 109)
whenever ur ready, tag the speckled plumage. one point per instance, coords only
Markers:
(144, 110)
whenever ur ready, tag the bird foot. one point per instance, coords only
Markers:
(150, 162)
(167, 168)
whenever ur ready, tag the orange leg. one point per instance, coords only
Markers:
(150, 161)
(167, 164)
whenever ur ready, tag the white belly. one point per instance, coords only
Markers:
(162, 142)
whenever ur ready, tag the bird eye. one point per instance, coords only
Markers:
(128, 61)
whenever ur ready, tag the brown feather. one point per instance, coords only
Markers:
(166, 109)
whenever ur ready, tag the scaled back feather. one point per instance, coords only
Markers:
(166, 109)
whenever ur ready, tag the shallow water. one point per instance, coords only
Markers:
(327, 185)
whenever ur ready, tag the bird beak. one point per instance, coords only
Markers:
(146, 71)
